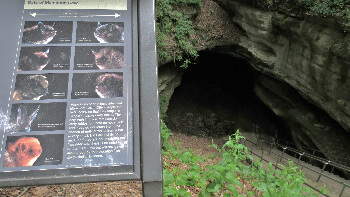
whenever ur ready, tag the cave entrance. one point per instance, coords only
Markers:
(216, 97)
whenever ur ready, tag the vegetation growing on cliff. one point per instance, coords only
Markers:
(325, 8)
(174, 30)
(341, 48)
(339, 9)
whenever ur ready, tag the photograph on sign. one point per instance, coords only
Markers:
(97, 85)
(26, 117)
(33, 150)
(44, 58)
(40, 87)
(99, 58)
(44, 32)
(100, 32)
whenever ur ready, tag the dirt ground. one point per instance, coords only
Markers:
(121, 188)
(211, 15)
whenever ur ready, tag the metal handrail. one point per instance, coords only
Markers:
(310, 156)
(280, 157)
(314, 150)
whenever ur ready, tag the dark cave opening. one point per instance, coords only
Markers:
(216, 97)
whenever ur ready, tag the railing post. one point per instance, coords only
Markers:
(324, 166)
(342, 191)
(261, 145)
(336, 160)
(300, 155)
(284, 149)
(271, 143)
(262, 152)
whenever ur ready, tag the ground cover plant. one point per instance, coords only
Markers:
(234, 174)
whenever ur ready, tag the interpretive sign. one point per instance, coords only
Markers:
(70, 97)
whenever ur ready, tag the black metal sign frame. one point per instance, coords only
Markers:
(130, 121)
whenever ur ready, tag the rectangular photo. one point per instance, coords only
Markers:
(47, 32)
(33, 150)
(97, 85)
(44, 58)
(100, 32)
(41, 86)
(26, 117)
(99, 58)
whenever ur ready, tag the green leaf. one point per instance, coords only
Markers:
(230, 177)
(227, 195)
(213, 187)
(197, 159)
(250, 193)
(204, 194)
(181, 181)
(210, 187)
(235, 181)
(186, 157)
(170, 191)
(183, 192)
(196, 167)
(168, 177)
(202, 181)
(232, 189)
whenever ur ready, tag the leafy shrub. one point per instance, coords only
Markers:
(325, 8)
(224, 178)
(165, 134)
(175, 25)
(341, 48)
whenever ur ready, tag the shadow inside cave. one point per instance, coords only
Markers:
(216, 98)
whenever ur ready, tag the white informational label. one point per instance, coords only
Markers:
(76, 4)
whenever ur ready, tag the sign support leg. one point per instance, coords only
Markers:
(151, 150)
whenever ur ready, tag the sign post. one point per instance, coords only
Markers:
(79, 100)
(149, 117)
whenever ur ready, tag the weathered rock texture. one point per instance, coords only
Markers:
(307, 62)
(300, 51)
(169, 77)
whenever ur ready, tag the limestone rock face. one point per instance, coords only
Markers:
(304, 64)
(169, 77)
(305, 55)
(301, 52)
(309, 126)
